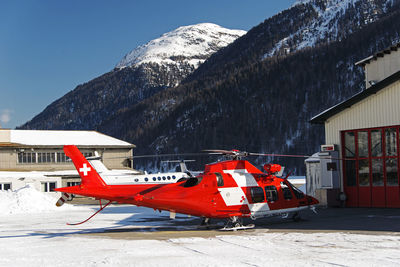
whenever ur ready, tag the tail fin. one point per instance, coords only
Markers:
(89, 175)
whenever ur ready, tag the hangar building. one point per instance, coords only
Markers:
(365, 130)
(36, 157)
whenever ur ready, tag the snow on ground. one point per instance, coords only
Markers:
(41, 238)
(28, 200)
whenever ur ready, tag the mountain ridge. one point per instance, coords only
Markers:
(135, 78)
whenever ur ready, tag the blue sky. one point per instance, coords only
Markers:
(49, 47)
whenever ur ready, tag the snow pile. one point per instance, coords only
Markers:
(27, 200)
(188, 44)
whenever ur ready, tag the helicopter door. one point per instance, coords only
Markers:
(257, 205)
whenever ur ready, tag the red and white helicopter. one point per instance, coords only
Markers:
(231, 189)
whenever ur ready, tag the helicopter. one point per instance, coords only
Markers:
(232, 189)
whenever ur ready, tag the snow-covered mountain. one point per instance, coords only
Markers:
(148, 69)
(186, 45)
(332, 20)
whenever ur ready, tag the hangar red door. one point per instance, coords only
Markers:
(371, 167)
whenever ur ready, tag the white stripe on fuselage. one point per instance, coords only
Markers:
(242, 177)
(233, 196)
(259, 209)
(237, 195)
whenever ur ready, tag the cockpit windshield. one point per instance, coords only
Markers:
(297, 192)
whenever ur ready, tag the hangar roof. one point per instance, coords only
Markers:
(325, 115)
(59, 138)
(377, 55)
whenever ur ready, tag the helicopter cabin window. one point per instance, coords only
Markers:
(220, 179)
(272, 193)
(257, 194)
(287, 194)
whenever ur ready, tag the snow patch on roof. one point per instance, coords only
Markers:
(61, 138)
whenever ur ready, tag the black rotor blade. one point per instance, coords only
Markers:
(173, 155)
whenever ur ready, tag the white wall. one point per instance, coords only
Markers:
(378, 110)
(382, 67)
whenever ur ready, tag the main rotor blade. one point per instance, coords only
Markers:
(296, 156)
(172, 155)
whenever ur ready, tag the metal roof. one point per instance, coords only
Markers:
(325, 115)
(375, 56)
(41, 138)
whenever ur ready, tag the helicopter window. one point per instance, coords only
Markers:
(287, 194)
(220, 179)
(192, 181)
(257, 194)
(173, 177)
(296, 191)
(154, 178)
(272, 193)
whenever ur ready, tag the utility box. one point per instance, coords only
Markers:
(322, 175)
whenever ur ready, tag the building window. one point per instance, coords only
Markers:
(72, 183)
(392, 172)
(371, 157)
(44, 157)
(48, 186)
(61, 157)
(5, 186)
(27, 157)
(390, 142)
(349, 145)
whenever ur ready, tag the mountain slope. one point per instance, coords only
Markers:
(258, 105)
(148, 69)
(259, 92)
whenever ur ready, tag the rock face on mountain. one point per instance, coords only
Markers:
(146, 70)
(258, 93)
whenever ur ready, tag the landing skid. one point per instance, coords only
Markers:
(234, 224)
(239, 227)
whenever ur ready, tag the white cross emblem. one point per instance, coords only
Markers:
(85, 169)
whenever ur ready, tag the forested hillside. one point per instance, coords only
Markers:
(256, 94)
(261, 106)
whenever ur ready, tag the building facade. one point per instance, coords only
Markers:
(36, 157)
(365, 128)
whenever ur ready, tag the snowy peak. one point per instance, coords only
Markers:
(332, 20)
(186, 45)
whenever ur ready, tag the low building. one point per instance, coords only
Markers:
(36, 157)
(365, 130)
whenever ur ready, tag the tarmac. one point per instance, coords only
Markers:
(370, 221)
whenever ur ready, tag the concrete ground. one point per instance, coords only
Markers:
(374, 221)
